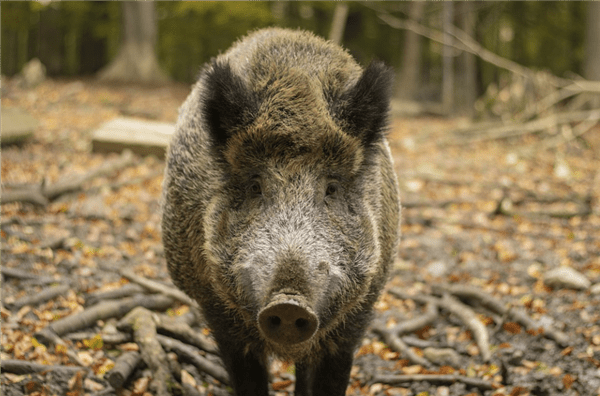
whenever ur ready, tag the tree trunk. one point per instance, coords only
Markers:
(338, 24)
(592, 42)
(410, 74)
(447, 59)
(466, 88)
(136, 60)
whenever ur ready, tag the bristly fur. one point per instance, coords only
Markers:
(364, 109)
(228, 103)
(279, 180)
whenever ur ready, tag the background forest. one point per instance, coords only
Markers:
(81, 38)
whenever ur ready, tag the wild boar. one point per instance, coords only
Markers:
(280, 205)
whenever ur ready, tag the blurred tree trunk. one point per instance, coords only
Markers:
(592, 42)
(136, 60)
(338, 24)
(447, 59)
(410, 74)
(466, 75)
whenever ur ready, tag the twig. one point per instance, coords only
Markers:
(436, 378)
(192, 355)
(124, 366)
(463, 42)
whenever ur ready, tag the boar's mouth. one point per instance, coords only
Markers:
(287, 320)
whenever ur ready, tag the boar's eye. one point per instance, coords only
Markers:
(254, 188)
(332, 190)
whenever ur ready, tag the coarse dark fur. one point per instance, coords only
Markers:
(279, 179)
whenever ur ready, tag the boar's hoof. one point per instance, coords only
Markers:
(287, 322)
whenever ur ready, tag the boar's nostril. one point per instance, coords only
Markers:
(287, 322)
(301, 323)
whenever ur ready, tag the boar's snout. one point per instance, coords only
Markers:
(287, 321)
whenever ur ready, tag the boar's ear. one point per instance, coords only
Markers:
(228, 103)
(363, 109)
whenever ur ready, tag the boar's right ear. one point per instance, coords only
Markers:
(228, 104)
(363, 109)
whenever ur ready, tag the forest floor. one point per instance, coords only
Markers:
(474, 307)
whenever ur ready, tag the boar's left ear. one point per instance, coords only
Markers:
(228, 104)
(363, 109)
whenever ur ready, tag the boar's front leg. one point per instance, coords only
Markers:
(247, 373)
(329, 377)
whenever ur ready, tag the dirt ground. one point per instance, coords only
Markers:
(495, 217)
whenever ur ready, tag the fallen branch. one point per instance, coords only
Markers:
(41, 194)
(18, 273)
(505, 208)
(577, 131)
(192, 355)
(124, 366)
(515, 129)
(127, 290)
(433, 378)
(75, 183)
(414, 324)
(48, 337)
(23, 367)
(391, 339)
(158, 287)
(111, 338)
(180, 330)
(43, 296)
(29, 195)
(108, 309)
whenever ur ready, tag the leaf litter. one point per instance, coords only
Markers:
(471, 307)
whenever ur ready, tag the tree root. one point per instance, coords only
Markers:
(463, 312)
(140, 322)
(496, 306)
